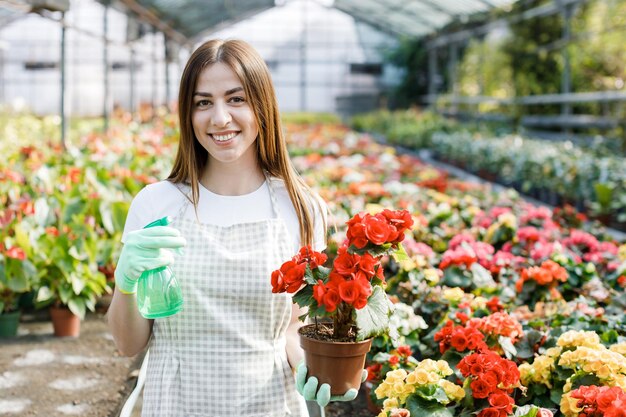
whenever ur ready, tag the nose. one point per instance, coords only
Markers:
(220, 116)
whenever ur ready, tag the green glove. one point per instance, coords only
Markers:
(145, 249)
(308, 388)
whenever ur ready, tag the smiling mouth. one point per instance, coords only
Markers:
(224, 138)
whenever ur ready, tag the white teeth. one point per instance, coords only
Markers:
(223, 138)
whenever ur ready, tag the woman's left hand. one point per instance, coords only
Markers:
(309, 390)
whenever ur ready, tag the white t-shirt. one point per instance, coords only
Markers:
(164, 199)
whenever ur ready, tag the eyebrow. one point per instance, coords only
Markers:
(226, 93)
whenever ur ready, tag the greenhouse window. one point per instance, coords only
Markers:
(40, 65)
(366, 68)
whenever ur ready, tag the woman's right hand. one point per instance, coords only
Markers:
(145, 249)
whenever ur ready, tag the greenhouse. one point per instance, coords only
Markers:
(305, 208)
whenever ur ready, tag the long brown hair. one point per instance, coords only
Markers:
(192, 157)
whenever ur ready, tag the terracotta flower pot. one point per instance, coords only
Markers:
(64, 322)
(339, 364)
(9, 323)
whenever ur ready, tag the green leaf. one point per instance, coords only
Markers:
(21, 238)
(556, 394)
(73, 207)
(107, 217)
(73, 252)
(454, 277)
(604, 193)
(43, 295)
(373, 319)
(119, 210)
(420, 407)
(481, 277)
(400, 254)
(78, 283)
(304, 297)
(507, 346)
(585, 380)
(432, 392)
(77, 306)
(308, 276)
(526, 411)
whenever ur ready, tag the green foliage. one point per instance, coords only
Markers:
(373, 319)
(536, 69)
(412, 57)
(485, 70)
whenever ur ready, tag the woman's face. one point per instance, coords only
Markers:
(222, 118)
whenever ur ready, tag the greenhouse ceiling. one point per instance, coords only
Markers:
(185, 20)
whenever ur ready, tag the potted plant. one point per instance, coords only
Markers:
(349, 294)
(16, 276)
(70, 280)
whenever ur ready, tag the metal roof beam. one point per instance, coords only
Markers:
(432, 5)
(544, 10)
(151, 18)
(412, 14)
(373, 23)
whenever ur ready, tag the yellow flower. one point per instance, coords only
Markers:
(431, 275)
(491, 231)
(421, 376)
(382, 414)
(444, 368)
(619, 348)
(621, 252)
(390, 403)
(508, 219)
(575, 338)
(479, 303)
(453, 391)
(539, 372)
(407, 264)
(553, 352)
(433, 377)
(473, 210)
(568, 406)
(453, 294)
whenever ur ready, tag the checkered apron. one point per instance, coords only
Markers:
(224, 354)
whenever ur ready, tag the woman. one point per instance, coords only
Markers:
(239, 209)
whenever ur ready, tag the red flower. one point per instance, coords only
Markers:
(349, 291)
(52, 231)
(16, 253)
(385, 227)
(331, 299)
(373, 370)
(494, 305)
(308, 255)
(377, 229)
(394, 360)
(319, 291)
(400, 221)
(459, 341)
(484, 384)
(289, 277)
(501, 401)
(356, 231)
(404, 351)
(368, 265)
(346, 263)
(492, 412)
